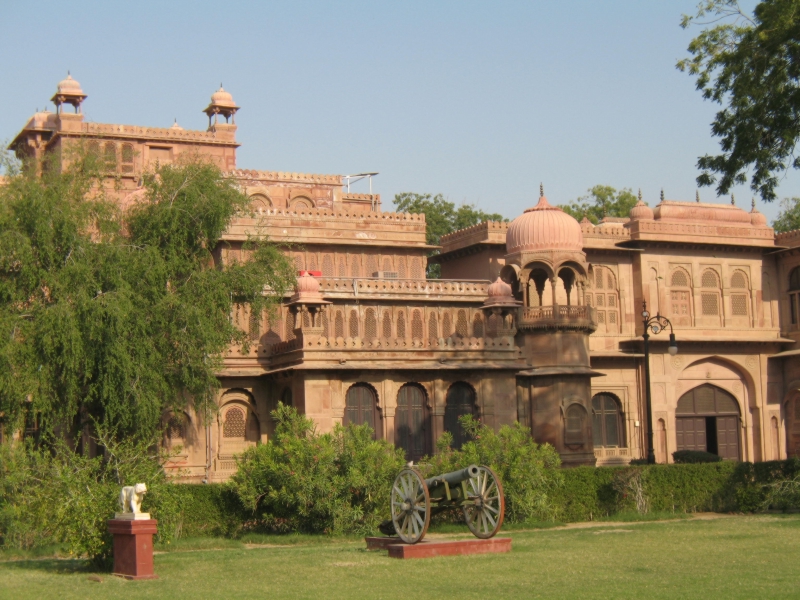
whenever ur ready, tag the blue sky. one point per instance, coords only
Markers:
(477, 100)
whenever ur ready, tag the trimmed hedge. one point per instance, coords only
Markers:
(586, 493)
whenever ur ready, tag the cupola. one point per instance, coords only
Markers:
(68, 91)
(221, 104)
(544, 227)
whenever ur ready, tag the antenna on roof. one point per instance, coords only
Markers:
(358, 177)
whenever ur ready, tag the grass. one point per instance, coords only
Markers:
(730, 557)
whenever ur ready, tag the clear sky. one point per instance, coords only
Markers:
(477, 100)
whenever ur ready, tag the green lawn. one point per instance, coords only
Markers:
(729, 557)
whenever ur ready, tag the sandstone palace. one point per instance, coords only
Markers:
(537, 320)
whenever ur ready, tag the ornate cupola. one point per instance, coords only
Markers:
(68, 91)
(221, 104)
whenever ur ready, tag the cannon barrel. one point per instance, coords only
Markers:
(453, 478)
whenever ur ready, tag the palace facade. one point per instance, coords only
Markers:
(537, 320)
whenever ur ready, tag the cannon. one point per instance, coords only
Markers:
(477, 491)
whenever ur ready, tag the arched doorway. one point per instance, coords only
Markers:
(361, 408)
(460, 401)
(411, 422)
(707, 419)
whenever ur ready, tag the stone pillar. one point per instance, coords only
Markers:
(133, 547)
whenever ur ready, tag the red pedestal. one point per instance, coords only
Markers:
(133, 547)
(428, 549)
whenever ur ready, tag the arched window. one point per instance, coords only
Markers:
(255, 326)
(339, 324)
(355, 267)
(372, 265)
(402, 271)
(604, 297)
(239, 428)
(416, 325)
(127, 158)
(433, 327)
(575, 425)
(286, 396)
(447, 329)
(401, 324)
(387, 324)
(462, 329)
(416, 268)
(234, 424)
(387, 263)
(606, 421)
(361, 407)
(707, 419)
(794, 295)
(342, 267)
(477, 325)
(175, 430)
(680, 297)
(353, 324)
(370, 325)
(460, 401)
(709, 297)
(110, 155)
(259, 203)
(290, 325)
(411, 422)
(327, 266)
(323, 322)
(739, 294)
(301, 203)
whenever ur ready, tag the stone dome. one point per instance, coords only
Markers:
(222, 98)
(641, 211)
(499, 289)
(756, 218)
(544, 227)
(307, 284)
(69, 86)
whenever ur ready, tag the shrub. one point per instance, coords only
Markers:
(57, 495)
(529, 472)
(694, 457)
(301, 480)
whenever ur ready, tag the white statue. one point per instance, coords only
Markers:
(130, 499)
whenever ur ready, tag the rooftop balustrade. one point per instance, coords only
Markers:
(344, 287)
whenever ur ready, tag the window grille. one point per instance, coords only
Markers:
(598, 278)
(339, 324)
(794, 279)
(739, 280)
(433, 328)
(306, 319)
(372, 265)
(416, 268)
(679, 279)
(324, 323)
(402, 271)
(255, 326)
(387, 324)
(355, 268)
(710, 304)
(175, 428)
(370, 325)
(612, 317)
(290, 317)
(739, 305)
(127, 158)
(462, 329)
(477, 326)
(612, 281)
(416, 325)
(327, 266)
(342, 267)
(312, 262)
(589, 300)
(387, 264)
(353, 324)
(709, 279)
(401, 324)
(600, 299)
(612, 301)
(110, 155)
(680, 303)
(601, 317)
(573, 429)
(234, 424)
(446, 327)
(298, 261)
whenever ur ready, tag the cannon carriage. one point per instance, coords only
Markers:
(476, 491)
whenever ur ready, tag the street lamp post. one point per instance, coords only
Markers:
(656, 324)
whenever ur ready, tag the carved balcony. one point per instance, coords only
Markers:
(578, 318)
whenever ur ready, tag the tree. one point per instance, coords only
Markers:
(602, 201)
(789, 217)
(750, 66)
(116, 317)
(441, 217)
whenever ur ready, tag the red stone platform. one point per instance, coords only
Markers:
(429, 549)
(133, 547)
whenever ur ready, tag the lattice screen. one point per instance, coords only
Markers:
(355, 267)
(710, 304)
(353, 324)
(446, 326)
(416, 268)
(477, 326)
(339, 324)
(372, 265)
(175, 428)
(462, 329)
(255, 326)
(234, 423)
(387, 264)
(402, 271)
(416, 325)
(342, 267)
(739, 305)
(739, 280)
(679, 279)
(327, 266)
(401, 324)
(709, 279)
(598, 278)
(290, 316)
(433, 327)
(324, 324)
(370, 325)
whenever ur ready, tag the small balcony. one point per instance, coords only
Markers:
(557, 317)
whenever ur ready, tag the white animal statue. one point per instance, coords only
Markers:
(130, 498)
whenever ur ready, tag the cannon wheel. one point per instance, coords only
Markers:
(485, 517)
(411, 506)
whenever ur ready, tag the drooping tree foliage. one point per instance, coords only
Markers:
(441, 217)
(750, 65)
(601, 201)
(118, 316)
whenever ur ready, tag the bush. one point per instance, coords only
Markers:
(529, 472)
(301, 480)
(59, 496)
(694, 457)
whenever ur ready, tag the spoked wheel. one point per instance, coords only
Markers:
(485, 516)
(411, 506)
